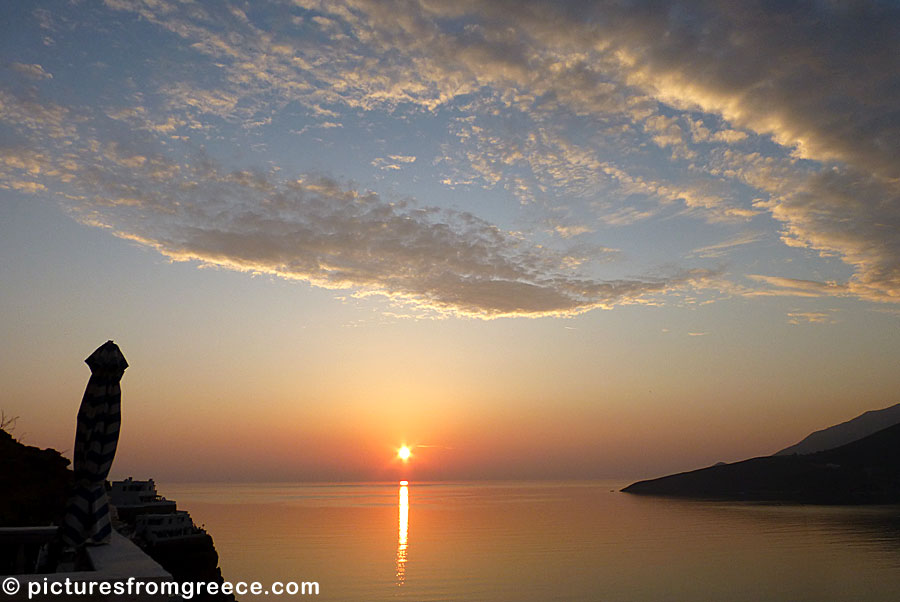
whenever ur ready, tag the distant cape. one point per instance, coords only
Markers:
(846, 432)
(866, 471)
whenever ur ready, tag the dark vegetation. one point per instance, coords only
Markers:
(33, 483)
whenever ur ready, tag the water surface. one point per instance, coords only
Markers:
(543, 541)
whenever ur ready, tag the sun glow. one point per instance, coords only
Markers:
(403, 453)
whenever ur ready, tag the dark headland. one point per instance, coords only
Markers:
(863, 425)
(866, 471)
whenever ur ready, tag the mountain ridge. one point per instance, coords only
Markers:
(865, 424)
(865, 471)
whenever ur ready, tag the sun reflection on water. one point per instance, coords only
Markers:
(402, 531)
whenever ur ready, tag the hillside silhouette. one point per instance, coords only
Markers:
(863, 425)
(34, 483)
(866, 471)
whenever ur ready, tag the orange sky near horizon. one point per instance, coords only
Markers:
(462, 419)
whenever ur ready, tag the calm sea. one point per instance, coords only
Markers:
(542, 541)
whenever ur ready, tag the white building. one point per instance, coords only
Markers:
(154, 528)
(134, 493)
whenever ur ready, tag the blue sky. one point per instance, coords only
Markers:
(683, 184)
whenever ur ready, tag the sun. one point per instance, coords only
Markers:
(403, 453)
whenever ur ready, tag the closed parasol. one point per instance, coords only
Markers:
(96, 437)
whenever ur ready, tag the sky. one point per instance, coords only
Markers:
(527, 239)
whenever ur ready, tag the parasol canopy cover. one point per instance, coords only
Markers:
(96, 437)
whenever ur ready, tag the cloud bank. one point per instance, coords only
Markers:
(591, 115)
(334, 237)
(312, 229)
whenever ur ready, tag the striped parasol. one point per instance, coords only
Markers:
(96, 437)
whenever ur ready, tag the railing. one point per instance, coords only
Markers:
(26, 549)
(117, 561)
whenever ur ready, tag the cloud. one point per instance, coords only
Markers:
(32, 71)
(22, 112)
(665, 131)
(618, 113)
(537, 163)
(335, 237)
(508, 60)
(810, 317)
(701, 133)
(795, 287)
(392, 162)
(721, 248)
(729, 136)
(570, 231)
(829, 100)
(853, 215)
(312, 229)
